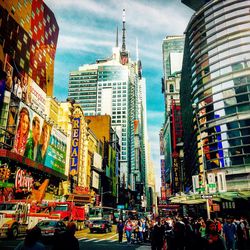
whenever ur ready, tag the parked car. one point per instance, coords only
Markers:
(49, 228)
(100, 226)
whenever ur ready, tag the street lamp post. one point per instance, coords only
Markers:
(202, 169)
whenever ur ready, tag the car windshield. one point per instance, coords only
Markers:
(47, 223)
(61, 208)
(98, 221)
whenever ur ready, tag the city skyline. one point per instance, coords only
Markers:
(87, 31)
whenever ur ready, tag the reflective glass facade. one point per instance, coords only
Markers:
(217, 66)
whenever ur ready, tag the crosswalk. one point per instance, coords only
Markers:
(96, 240)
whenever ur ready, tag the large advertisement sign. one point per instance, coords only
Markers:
(56, 152)
(17, 80)
(75, 145)
(28, 133)
(36, 96)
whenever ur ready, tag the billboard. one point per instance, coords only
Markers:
(17, 79)
(56, 151)
(36, 96)
(163, 173)
(28, 132)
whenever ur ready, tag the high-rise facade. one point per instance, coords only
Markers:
(216, 80)
(171, 133)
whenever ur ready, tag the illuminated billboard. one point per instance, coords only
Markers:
(28, 132)
(56, 151)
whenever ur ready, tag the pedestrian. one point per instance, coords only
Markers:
(229, 230)
(128, 230)
(213, 240)
(120, 230)
(67, 240)
(241, 234)
(31, 241)
(157, 236)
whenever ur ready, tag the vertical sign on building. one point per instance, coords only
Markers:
(163, 177)
(75, 146)
(176, 173)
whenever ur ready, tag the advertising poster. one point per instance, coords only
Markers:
(35, 96)
(163, 174)
(9, 73)
(17, 80)
(56, 151)
(13, 114)
(28, 133)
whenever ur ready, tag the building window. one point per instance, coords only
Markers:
(171, 88)
(19, 45)
(22, 63)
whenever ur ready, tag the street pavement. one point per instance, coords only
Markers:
(89, 241)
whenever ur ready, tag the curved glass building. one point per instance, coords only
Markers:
(216, 78)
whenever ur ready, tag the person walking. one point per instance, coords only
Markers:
(157, 236)
(120, 230)
(213, 240)
(31, 241)
(229, 230)
(128, 230)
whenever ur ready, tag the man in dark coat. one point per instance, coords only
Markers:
(157, 236)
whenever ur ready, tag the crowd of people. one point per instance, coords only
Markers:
(187, 234)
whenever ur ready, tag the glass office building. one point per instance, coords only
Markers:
(216, 78)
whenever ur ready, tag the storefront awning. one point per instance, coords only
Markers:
(191, 199)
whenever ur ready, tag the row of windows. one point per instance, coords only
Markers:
(219, 48)
(230, 10)
(232, 64)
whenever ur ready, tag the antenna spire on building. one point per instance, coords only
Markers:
(123, 31)
(116, 42)
(137, 50)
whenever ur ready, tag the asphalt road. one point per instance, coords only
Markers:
(88, 241)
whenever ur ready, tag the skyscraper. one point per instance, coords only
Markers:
(216, 80)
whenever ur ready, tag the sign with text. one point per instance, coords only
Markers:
(76, 121)
(56, 152)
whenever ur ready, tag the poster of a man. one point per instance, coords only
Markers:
(22, 133)
(33, 141)
(43, 144)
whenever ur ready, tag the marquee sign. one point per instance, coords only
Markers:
(75, 145)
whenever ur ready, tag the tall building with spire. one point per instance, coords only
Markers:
(113, 87)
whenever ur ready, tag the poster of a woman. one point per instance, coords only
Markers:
(43, 144)
(22, 131)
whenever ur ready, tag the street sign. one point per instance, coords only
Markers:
(206, 196)
(212, 185)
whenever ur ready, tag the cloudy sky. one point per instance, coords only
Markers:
(88, 32)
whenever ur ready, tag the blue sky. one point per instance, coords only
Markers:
(87, 31)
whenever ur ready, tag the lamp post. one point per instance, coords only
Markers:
(202, 169)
